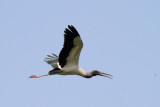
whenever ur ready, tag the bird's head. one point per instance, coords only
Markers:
(95, 73)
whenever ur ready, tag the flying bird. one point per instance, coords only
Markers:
(67, 63)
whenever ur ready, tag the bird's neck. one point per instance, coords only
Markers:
(85, 74)
(88, 75)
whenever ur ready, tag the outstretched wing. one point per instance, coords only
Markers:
(73, 44)
(52, 60)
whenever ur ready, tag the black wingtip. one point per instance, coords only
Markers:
(73, 29)
(70, 26)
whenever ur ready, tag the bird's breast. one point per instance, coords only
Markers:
(74, 70)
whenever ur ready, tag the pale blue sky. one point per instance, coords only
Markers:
(121, 37)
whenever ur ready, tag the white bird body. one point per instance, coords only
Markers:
(68, 61)
(72, 70)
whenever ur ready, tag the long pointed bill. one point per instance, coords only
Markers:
(106, 75)
(37, 76)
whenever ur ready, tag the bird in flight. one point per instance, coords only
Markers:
(67, 63)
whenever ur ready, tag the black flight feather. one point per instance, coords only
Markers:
(69, 34)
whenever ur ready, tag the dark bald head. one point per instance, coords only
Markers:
(96, 72)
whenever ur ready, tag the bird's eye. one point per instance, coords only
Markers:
(96, 72)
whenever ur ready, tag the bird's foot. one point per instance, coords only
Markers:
(37, 76)
(34, 76)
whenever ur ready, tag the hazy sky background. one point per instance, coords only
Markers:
(121, 37)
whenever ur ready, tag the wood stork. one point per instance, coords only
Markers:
(67, 62)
